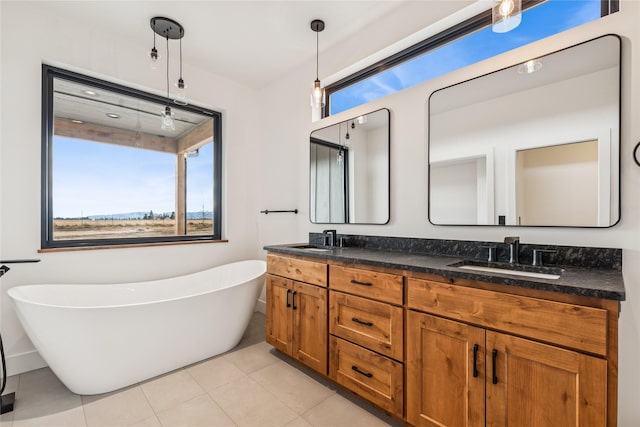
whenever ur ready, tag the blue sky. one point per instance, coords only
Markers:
(92, 178)
(539, 22)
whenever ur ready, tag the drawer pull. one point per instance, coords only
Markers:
(362, 322)
(366, 374)
(494, 356)
(357, 282)
(288, 293)
(293, 299)
(475, 360)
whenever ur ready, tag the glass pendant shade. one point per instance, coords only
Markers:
(506, 15)
(181, 95)
(154, 57)
(340, 158)
(529, 67)
(317, 95)
(168, 122)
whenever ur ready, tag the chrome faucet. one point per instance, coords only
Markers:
(330, 237)
(514, 249)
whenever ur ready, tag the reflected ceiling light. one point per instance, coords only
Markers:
(169, 29)
(79, 122)
(317, 94)
(113, 115)
(90, 93)
(529, 67)
(506, 15)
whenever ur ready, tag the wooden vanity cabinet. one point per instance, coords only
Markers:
(438, 351)
(463, 374)
(296, 311)
(366, 322)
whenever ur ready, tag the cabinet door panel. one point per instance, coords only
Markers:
(309, 307)
(443, 388)
(542, 385)
(279, 322)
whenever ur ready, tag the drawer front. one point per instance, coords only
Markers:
(371, 284)
(569, 325)
(298, 269)
(371, 376)
(372, 324)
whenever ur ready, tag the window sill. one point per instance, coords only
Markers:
(127, 246)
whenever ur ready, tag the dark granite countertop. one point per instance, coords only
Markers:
(590, 282)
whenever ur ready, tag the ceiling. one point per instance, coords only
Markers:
(250, 42)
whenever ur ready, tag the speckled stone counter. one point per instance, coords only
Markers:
(598, 282)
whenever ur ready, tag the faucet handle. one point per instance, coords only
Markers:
(537, 256)
(491, 255)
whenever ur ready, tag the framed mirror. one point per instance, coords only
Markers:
(535, 144)
(349, 171)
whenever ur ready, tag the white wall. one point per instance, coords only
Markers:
(31, 35)
(286, 149)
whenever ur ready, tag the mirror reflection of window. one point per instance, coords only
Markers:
(349, 171)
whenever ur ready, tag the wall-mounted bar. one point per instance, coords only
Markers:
(267, 211)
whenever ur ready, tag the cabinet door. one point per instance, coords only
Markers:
(279, 322)
(536, 384)
(444, 385)
(309, 307)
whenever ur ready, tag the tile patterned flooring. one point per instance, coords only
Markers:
(251, 385)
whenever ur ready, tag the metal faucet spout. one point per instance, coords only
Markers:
(330, 237)
(514, 249)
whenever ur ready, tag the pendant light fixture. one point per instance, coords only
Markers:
(506, 15)
(169, 29)
(317, 94)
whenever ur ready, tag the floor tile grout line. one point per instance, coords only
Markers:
(213, 399)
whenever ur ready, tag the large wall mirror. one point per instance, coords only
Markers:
(535, 144)
(349, 171)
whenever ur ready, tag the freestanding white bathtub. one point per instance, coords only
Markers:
(99, 338)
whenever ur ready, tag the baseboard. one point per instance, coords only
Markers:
(261, 307)
(24, 362)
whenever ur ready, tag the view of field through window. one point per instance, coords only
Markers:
(115, 173)
(109, 191)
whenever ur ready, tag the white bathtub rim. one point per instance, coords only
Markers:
(19, 298)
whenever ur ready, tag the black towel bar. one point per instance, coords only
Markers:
(267, 211)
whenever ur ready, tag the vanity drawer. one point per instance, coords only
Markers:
(371, 284)
(374, 377)
(540, 319)
(372, 324)
(298, 269)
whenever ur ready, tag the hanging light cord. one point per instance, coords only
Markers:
(181, 35)
(317, 49)
(167, 69)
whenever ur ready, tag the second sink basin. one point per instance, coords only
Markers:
(513, 269)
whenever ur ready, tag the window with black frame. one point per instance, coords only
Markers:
(459, 46)
(112, 175)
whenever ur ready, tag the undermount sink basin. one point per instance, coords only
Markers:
(311, 248)
(512, 269)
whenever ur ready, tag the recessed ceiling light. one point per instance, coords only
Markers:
(90, 93)
(77, 121)
(113, 115)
